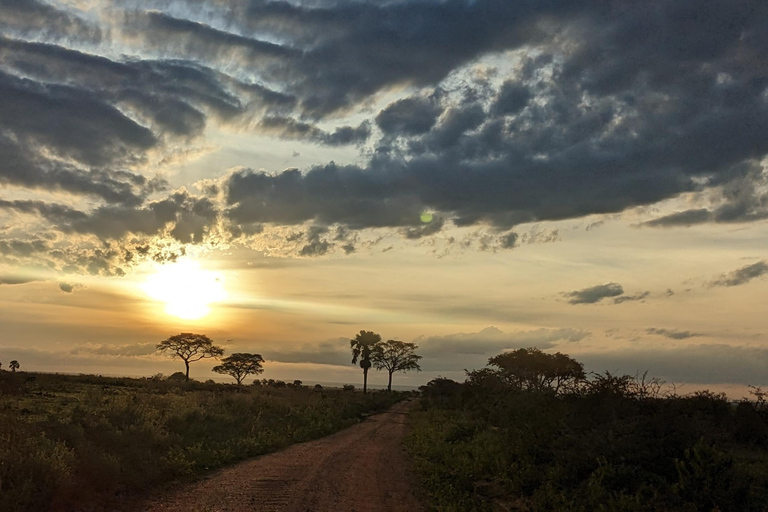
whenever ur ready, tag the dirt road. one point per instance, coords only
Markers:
(360, 469)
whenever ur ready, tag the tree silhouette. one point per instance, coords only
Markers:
(240, 365)
(190, 347)
(534, 370)
(362, 347)
(14, 365)
(395, 356)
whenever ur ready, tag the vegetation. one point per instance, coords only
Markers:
(395, 356)
(14, 365)
(69, 441)
(240, 365)
(363, 346)
(190, 347)
(531, 432)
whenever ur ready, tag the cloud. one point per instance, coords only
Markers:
(128, 350)
(66, 288)
(288, 128)
(492, 340)
(594, 294)
(705, 363)
(17, 279)
(594, 113)
(742, 275)
(409, 116)
(672, 333)
(639, 296)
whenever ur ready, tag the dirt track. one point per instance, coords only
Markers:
(362, 468)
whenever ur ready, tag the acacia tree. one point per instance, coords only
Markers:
(534, 370)
(362, 346)
(14, 365)
(240, 365)
(190, 347)
(395, 356)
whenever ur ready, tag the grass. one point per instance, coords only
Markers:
(74, 441)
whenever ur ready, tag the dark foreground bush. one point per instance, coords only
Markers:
(603, 447)
(66, 441)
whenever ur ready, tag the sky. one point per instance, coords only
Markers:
(473, 176)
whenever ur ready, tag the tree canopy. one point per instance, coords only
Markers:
(395, 356)
(240, 365)
(531, 369)
(362, 347)
(14, 365)
(190, 347)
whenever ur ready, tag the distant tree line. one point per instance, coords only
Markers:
(368, 350)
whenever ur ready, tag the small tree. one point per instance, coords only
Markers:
(362, 347)
(395, 356)
(240, 365)
(190, 347)
(14, 365)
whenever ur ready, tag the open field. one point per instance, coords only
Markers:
(69, 442)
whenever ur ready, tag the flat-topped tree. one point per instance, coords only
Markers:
(240, 365)
(14, 365)
(395, 356)
(190, 347)
(362, 347)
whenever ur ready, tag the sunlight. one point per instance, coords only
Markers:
(186, 289)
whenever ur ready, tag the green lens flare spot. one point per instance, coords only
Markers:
(426, 217)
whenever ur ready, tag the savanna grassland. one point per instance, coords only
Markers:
(73, 442)
(604, 443)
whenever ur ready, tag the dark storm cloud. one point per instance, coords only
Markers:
(612, 105)
(742, 275)
(34, 18)
(66, 287)
(594, 293)
(326, 194)
(672, 333)
(637, 112)
(409, 116)
(288, 128)
(187, 218)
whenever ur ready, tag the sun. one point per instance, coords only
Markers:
(186, 289)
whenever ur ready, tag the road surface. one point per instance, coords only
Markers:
(361, 469)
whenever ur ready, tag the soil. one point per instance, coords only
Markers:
(361, 469)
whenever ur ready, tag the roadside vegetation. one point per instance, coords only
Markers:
(68, 442)
(532, 432)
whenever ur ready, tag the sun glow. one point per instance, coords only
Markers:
(186, 289)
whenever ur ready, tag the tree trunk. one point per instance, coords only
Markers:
(365, 380)
(389, 386)
(186, 363)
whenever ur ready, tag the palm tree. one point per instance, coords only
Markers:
(362, 347)
(14, 365)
